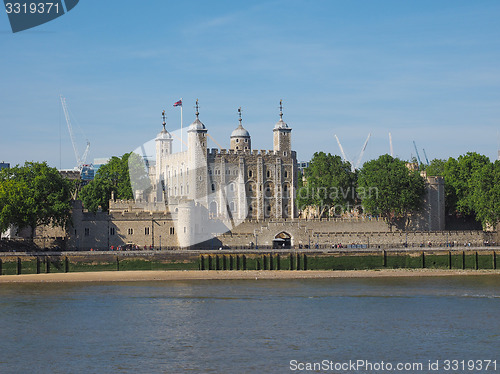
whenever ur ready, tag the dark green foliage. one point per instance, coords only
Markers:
(435, 168)
(388, 188)
(32, 195)
(111, 177)
(472, 186)
(329, 183)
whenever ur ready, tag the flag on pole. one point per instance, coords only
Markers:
(178, 103)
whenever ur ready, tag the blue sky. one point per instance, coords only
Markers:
(426, 71)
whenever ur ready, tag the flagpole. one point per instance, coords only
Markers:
(181, 123)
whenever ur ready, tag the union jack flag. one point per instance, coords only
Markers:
(178, 103)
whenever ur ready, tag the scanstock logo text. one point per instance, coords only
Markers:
(26, 14)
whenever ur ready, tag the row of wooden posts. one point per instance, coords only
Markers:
(262, 262)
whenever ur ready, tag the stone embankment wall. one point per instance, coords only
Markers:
(25, 263)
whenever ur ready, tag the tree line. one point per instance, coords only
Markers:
(394, 188)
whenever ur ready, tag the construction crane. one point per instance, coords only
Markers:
(80, 161)
(358, 163)
(390, 144)
(418, 156)
(341, 149)
(426, 159)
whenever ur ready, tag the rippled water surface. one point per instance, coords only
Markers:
(247, 326)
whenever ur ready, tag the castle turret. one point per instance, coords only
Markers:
(197, 155)
(163, 149)
(282, 136)
(240, 138)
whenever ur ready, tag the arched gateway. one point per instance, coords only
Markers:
(283, 240)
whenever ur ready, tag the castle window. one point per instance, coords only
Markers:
(130, 231)
(285, 188)
(231, 206)
(172, 231)
(286, 174)
(246, 148)
(246, 140)
(146, 231)
(187, 188)
(249, 187)
(210, 171)
(250, 173)
(87, 231)
(181, 172)
(111, 231)
(231, 187)
(237, 140)
(284, 153)
(268, 174)
(182, 190)
(213, 187)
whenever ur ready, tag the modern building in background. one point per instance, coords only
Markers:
(4, 165)
(98, 162)
(302, 165)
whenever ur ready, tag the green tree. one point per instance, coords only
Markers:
(388, 188)
(33, 195)
(485, 195)
(111, 177)
(329, 183)
(459, 181)
(435, 168)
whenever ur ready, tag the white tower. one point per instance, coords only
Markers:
(163, 150)
(197, 159)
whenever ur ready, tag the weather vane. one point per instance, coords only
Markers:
(164, 118)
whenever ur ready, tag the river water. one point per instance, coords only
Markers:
(249, 326)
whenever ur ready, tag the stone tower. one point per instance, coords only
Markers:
(282, 136)
(163, 149)
(197, 160)
(240, 138)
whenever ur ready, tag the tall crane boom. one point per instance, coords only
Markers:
(418, 156)
(80, 161)
(341, 149)
(426, 159)
(358, 163)
(390, 144)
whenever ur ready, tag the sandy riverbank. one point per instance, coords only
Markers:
(174, 275)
